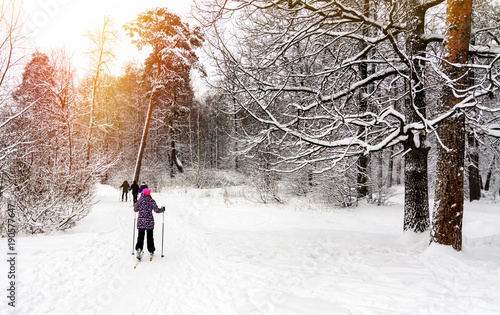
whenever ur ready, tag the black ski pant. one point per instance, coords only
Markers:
(125, 194)
(150, 240)
(135, 197)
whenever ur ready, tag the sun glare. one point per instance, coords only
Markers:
(55, 24)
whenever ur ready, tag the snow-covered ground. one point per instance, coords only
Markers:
(233, 256)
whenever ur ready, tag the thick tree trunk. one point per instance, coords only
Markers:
(362, 178)
(416, 209)
(362, 165)
(416, 212)
(449, 196)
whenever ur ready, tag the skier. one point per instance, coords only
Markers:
(143, 185)
(125, 187)
(145, 221)
(135, 190)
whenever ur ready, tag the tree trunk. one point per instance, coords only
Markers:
(488, 176)
(148, 120)
(474, 177)
(380, 177)
(173, 157)
(143, 140)
(449, 196)
(416, 209)
(399, 170)
(390, 168)
(362, 166)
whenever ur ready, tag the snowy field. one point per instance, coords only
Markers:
(234, 256)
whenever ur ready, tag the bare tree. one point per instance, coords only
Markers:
(294, 66)
(52, 185)
(11, 39)
(101, 54)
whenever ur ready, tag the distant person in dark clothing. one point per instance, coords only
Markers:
(135, 190)
(125, 187)
(143, 186)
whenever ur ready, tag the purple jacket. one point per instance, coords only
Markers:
(145, 206)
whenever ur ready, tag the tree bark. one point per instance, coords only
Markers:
(143, 140)
(473, 150)
(416, 209)
(449, 196)
(363, 160)
(474, 177)
(488, 176)
(390, 168)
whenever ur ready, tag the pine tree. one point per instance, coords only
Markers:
(168, 66)
(449, 196)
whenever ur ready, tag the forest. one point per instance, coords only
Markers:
(337, 100)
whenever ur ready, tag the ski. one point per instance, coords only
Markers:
(137, 263)
(139, 257)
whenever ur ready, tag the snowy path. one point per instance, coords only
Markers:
(238, 257)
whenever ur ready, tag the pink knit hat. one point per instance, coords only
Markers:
(146, 191)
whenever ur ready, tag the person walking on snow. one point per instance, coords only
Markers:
(125, 187)
(145, 221)
(135, 190)
(143, 185)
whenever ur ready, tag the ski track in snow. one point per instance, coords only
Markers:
(240, 257)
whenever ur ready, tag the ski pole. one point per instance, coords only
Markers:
(162, 233)
(133, 237)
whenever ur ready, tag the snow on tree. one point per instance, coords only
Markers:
(169, 65)
(297, 69)
(102, 42)
(449, 197)
(47, 176)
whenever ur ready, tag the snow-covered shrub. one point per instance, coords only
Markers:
(266, 184)
(213, 178)
(300, 183)
(336, 189)
(46, 203)
(207, 178)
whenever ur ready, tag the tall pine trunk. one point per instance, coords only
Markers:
(449, 196)
(145, 131)
(144, 137)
